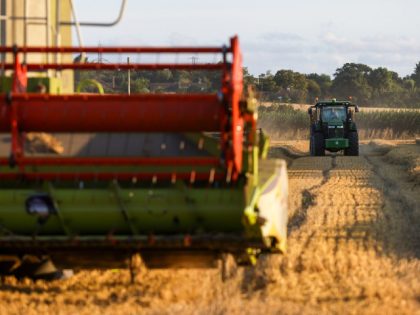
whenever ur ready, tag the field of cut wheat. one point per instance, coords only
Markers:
(353, 248)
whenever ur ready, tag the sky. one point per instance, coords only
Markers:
(302, 35)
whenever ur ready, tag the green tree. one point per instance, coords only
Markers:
(284, 78)
(140, 85)
(351, 80)
(293, 84)
(164, 75)
(416, 75)
(288, 79)
(249, 79)
(266, 82)
(314, 91)
(409, 85)
(380, 80)
(323, 81)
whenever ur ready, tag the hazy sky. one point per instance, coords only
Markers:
(302, 35)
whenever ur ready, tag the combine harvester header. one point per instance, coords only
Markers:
(192, 186)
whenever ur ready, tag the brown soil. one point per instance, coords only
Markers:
(354, 248)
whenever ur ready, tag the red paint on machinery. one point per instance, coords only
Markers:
(22, 112)
(112, 113)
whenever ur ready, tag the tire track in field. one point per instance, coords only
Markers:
(307, 197)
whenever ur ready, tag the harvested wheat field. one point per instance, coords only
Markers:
(354, 248)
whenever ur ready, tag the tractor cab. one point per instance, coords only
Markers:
(333, 128)
(334, 114)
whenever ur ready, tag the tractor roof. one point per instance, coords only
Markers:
(333, 102)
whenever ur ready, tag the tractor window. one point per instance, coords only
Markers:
(333, 113)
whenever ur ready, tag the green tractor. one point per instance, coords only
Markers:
(333, 128)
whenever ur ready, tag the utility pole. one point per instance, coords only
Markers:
(100, 58)
(194, 60)
(57, 34)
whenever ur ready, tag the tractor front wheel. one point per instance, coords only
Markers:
(318, 144)
(353, 149)
(311, 146)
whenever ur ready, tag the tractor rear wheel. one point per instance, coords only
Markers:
(353, 149)
(318, 144)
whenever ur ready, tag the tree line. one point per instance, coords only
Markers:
(365, 85)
